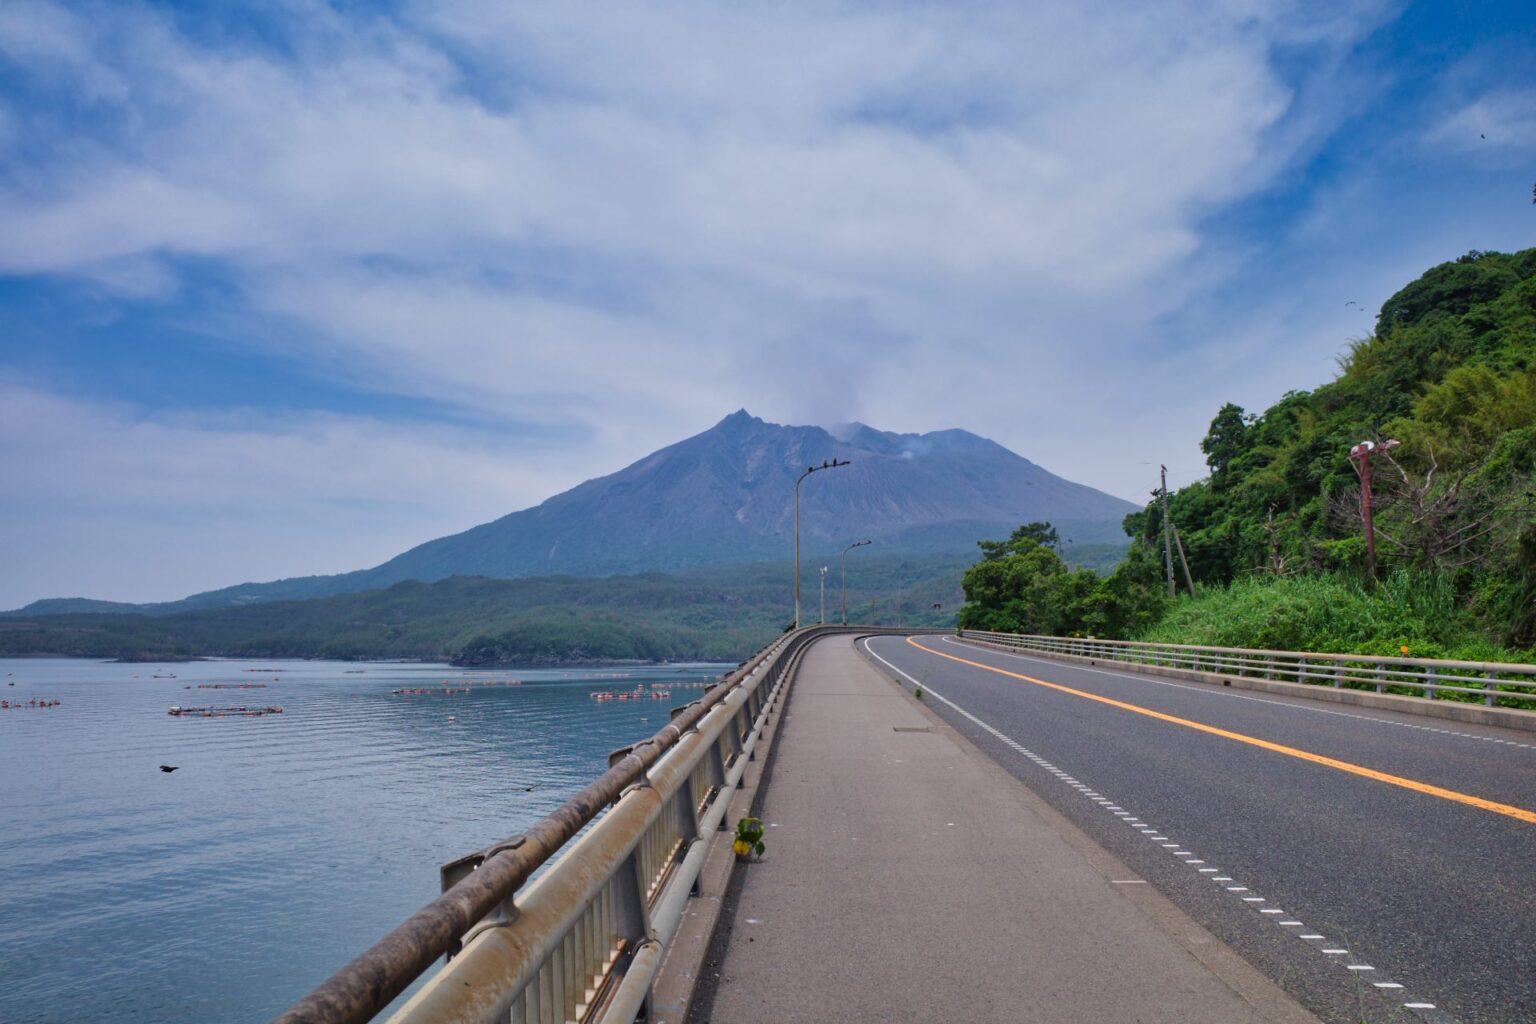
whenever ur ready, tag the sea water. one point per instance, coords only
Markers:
(283, 844)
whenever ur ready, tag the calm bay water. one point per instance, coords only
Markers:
(285, 844)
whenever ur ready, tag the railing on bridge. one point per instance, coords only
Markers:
(584, 940)
(1498, 684)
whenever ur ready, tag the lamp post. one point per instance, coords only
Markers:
(822, 620)
(843, 564)
(1360, 455)
(825, 464)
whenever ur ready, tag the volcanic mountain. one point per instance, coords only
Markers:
(725, 497)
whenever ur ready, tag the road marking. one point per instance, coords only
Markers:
(1210, 692)
(1036, 759)
(1508, 810)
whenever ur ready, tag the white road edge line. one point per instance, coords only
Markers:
(1439, 1017)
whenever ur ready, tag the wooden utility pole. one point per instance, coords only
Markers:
(1367, 515)
(1361, 454)
(1188, 580)
(1274, 544)
(1167, 529)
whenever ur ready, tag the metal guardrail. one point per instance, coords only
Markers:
(584, 941)
(1499, 684)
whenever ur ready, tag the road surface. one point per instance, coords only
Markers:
(1375, 865)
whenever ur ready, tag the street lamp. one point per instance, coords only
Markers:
(822, 621)
(825, 464)
(1360, 455)
(843, 590)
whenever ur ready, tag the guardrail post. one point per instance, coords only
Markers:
(1381, 675)
(1492, 699)
(687, 812)
(1338, 675)
(632, 918)
(716, 764)
(744, 724)
(1429, 685)
(733, 738)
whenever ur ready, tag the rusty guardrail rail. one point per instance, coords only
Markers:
(1499, 684)
(583, 942)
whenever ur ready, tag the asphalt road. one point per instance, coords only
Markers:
(1268, 820)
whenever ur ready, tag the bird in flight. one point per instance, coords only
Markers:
(168, 768)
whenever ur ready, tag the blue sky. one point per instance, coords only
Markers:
(287, 289)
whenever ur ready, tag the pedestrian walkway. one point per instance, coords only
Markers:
(909, 878)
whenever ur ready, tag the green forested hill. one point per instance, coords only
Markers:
(721, 614)
(1274, 535)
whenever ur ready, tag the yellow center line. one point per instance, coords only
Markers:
(1518, 813)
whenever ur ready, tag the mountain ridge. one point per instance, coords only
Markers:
(724, 496)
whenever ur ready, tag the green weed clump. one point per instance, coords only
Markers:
(1337, 614)
(1324, 612)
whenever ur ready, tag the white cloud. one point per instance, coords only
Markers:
(624, 221)
(246, 495)
(1498, 125)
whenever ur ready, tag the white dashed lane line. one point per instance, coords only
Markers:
(1425, 1011)
(1211, 691)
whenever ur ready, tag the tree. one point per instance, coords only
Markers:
(1015, 592)
(1225, 441)
(1018, 542)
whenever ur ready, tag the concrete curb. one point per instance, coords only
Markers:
(1456, 711)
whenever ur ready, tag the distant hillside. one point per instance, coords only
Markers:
(724, 497)
(721, 614)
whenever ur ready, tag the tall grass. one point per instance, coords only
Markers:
(1334, 614)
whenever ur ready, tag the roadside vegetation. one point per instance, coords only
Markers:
(1274, 535)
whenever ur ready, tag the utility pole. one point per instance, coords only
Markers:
(1360, 455)
(1188, 580)
(1167, 529)
(1274, 544)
